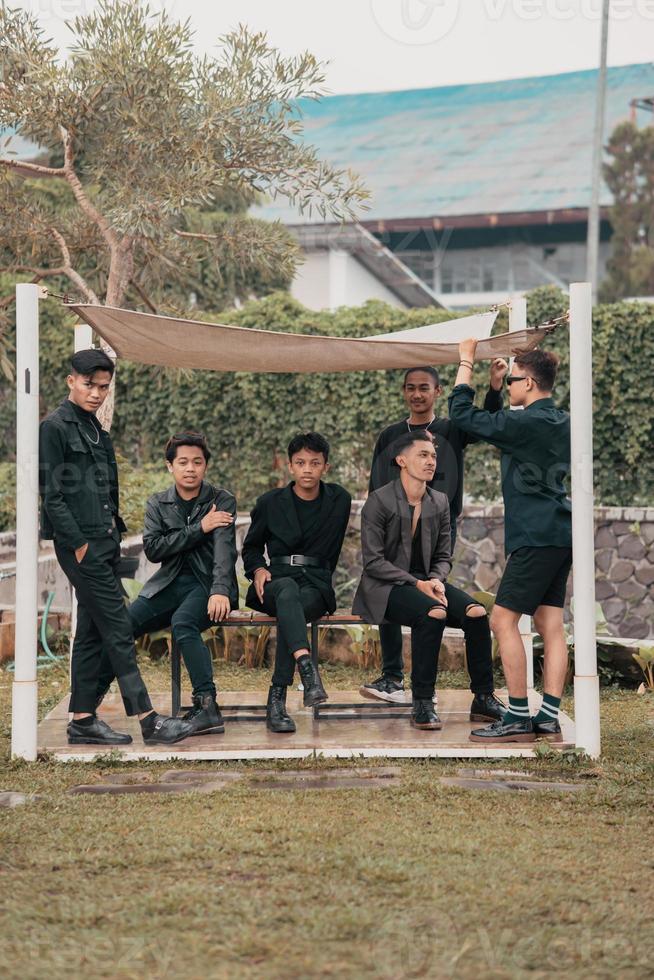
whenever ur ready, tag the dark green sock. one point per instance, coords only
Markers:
(518, 711)
(549, 709)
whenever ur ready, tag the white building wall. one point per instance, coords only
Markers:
(331, 278)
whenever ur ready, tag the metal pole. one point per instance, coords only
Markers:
(592, 241)
(587, 712)
(82, 340)
(24, 713)
(518, 321)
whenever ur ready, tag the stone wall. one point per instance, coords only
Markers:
(624, 557)
(624, 560)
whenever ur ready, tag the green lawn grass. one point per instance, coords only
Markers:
(420, 880)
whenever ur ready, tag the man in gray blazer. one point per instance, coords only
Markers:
(406, 548)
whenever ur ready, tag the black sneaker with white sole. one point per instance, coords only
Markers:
(386, 689)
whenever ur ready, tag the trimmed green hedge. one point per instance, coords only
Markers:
(249, 418)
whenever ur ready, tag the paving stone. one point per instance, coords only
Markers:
(10, 799)
(647, 533)
(299, 779)
(510, 785)
(126, 789)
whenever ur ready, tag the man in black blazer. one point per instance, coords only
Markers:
(406, 548)
(301, 526)
(190, 529)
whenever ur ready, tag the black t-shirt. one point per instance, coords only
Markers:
(185, 507)
(450, 443)
(308, 513)
(417, 566)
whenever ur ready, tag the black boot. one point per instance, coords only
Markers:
(314, 692)
(486, 707)
(277, 718)
(424, 716)
(205, 715)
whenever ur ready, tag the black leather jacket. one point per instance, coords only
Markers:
(78, 480)
(168, 539)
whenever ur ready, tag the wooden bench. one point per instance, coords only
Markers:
(257, 712)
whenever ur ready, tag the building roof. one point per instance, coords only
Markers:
(522, 145)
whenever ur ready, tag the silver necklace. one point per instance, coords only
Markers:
(95, 441)
(408, 424)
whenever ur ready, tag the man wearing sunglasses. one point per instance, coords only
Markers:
(535, 446)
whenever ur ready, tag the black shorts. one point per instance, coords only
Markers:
(534, 577)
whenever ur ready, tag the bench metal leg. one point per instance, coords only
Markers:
(175, 679)
(314, 656)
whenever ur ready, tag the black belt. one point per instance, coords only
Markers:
(299, 560)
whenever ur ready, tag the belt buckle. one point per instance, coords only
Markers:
(293, 561)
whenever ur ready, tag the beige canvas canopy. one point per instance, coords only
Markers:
(149, 338)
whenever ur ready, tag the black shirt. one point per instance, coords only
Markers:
(450, 443)
(185, 507)
(535, 464)
(417, 566)
(308, 513)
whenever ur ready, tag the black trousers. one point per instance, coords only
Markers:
(476, 631)
(390, 636)
(294, 604)
(408, 606)
(182, 605)
(103, 629)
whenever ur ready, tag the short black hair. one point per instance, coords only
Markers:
(408, 438)
(541, 365)
(312, 441)
(87, 362)
(428, 370)
(188, 437)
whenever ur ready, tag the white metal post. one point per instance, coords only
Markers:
(587, 708)
(82, 340)
(24, 713)
(518, 321)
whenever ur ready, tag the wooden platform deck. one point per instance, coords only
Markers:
(330, 737)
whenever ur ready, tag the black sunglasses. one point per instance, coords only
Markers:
(516, 377)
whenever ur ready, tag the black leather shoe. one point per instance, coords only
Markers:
(498, 733)
(277, 718)
(551, 730)
(314, 692)
(205, 715)
(166, 731)
(424, 716)
(486, 707)
(97, 733)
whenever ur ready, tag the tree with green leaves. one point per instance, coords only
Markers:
(142, 134)
(629, 175)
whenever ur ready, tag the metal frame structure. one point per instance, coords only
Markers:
(25, 687)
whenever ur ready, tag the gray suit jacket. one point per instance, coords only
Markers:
(386, 546)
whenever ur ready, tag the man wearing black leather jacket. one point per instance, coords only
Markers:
(190, 529)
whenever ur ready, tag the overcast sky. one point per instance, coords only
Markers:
(378, 45)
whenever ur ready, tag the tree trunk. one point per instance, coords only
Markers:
(121, 268)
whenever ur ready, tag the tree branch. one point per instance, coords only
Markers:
(69, 172)
(33, 168)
